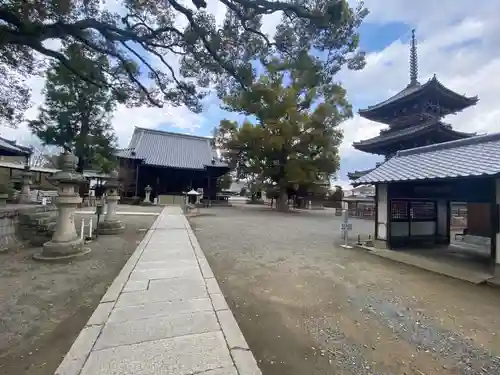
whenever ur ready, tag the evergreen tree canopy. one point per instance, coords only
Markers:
(76, 114)
(178, 44)
(294, 141)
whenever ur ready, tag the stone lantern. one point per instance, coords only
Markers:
(147, 198)
(24, 195)
(110, 224)
(65, 243)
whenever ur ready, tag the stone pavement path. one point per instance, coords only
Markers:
(163, 314)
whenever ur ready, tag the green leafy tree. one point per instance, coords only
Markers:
(294, 141)
(76, 114)
(224, 182)
(337, 194)
(177, 62)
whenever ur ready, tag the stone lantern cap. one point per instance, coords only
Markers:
(112, 180)
(193, 192)
(67, 174)
(148, 188)
(26, 171)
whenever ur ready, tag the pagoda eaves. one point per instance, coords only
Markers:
(390, 141)
(418, 102)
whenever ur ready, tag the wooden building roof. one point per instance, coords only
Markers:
(10, 148)
(171, 150)
(471, 157)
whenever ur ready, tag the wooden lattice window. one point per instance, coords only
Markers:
(423, 210)
(399, 210)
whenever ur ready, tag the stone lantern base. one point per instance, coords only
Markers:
(110, 227)
(60, 251)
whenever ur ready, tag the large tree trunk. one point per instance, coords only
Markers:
(282, 201)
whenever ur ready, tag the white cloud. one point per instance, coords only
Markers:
(125, 119)
(457, 40)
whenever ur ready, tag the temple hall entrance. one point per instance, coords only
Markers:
(470, 229)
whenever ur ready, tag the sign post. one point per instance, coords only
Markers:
(345, 228)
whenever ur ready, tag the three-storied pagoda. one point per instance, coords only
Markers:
(414, 116)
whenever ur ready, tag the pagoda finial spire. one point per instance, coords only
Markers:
(413, 60)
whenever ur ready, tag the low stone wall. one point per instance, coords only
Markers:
(8, 224)
(26, 225)
(175, 200)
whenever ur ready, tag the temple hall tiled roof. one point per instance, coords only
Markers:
(470, 157)
(12, 147)
(173, 150)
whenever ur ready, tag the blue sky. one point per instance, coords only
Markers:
(457, 39)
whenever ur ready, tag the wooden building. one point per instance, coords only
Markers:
(170, 163)
(415, 188)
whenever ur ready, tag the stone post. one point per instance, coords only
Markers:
(111, 224)
(24, 196)
(65, 243)
(147, 197)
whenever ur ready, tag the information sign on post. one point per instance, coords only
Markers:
(345, 228)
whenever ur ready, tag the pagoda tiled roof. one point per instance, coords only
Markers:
(415, 89)
(392, 135)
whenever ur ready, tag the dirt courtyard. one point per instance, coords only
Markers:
(43, 306)
(308, 306)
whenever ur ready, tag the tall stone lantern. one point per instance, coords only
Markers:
(147, 196)
(24, 195)
(111, 224)
(65, 243)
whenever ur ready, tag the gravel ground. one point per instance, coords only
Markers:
(307, 306)
(43, 306)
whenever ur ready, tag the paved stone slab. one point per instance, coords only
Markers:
(165, 264)
(120, 314)
(169, 238)
(101, 314)
(219, 302)
(173, 222)
(232, 332)
(180, 288)
(222, 371)
(205, 269)
(245, 362)
(75, 359)
(174, 289)
(213, 286)
(115, 289)
(162, 254)
(165, 273)
(176, 356)
(155, 328)
(134, 286)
